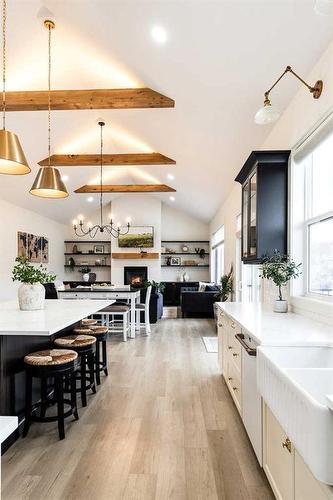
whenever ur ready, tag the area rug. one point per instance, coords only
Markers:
(210, 344)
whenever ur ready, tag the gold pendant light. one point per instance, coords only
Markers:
(48, 183)
(12, 158)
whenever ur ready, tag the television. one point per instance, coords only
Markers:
(137, 237)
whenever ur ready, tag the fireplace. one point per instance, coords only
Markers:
(135, 276)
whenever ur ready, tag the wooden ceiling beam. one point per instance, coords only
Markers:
(37, 100)
(126, 188)
(83, 160)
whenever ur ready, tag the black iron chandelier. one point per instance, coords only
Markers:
(92, 230)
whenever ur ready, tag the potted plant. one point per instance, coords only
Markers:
(280, 269)
(85, 270)
(31, 293)
(225, 287)
(156, 287)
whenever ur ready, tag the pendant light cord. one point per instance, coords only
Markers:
(4, 19)
(49, 98)
(101, 177)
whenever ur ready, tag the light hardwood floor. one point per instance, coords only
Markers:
(162, 426)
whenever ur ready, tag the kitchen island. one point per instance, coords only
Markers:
(22, 332)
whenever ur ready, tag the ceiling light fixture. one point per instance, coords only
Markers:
(90, 199)
(323, 7)
(48, 182)
(91, 230)
(171, 177)
(268, 113)
(159, 34)
(171, 198)
(64, 178)
(12, 158)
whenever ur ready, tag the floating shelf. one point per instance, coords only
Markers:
(91, 242)
(131, 255)
(183, 253)
(186, 265)
(87, 253)
(86, 265)
(185, 241)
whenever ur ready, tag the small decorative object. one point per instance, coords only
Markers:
(85, 273)
(190, 263)
(175, 261)
(168, 261)
(185, 248)
(280, 269)
(225, 287)
(75, 249)
(91, 251)
(92, 277)
(143, 251)
(31, 293)
(197, 250)
(185, 276)
(202, 253)
(98, 262)
(98, 248)
(162, 249)
(71, 264)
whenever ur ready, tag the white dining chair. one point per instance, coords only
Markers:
(143, 308)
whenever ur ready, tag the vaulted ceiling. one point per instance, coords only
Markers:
(219, 58)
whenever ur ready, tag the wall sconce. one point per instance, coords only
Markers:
(268, 113)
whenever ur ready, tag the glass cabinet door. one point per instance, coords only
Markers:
(245, 220)
(252, 233)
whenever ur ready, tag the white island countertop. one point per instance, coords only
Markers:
(271, 328)
(7, 426)
(57, 315)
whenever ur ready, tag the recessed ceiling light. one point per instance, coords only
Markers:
(323, 7)
(90, 199)
(64, 178)
(171, 198)
(159, 34)
(171, 177)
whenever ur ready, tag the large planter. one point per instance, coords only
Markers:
(31, 297)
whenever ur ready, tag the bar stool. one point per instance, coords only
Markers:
(84, 346)
(109, 315)
(59, 365)
(87, 322)
(101, 334)
(144, 308)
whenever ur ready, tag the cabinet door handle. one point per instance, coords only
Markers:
(235, 354)
(220, 325)
(233, 325)
(229, 347)
(235, 388)
(230, 379)
(287, 444)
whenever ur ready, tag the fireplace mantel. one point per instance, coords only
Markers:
(137, 255)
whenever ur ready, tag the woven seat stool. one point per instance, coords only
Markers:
(60, 366)
(101, 334)
(84, 345)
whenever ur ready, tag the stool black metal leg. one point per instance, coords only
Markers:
(97, 360)
(43, 392)
(59, 383)
(91, 366)
(104, 357)
(28, 404)
(73, 394)
(83, 379)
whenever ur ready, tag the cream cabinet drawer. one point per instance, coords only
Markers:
(233, 344)
(235, 386)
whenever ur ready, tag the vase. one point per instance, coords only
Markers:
(85, 276)
(31, 297)
(281, 306)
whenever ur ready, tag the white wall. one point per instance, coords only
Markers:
(144, 210)
(299, 117)
(14, 219)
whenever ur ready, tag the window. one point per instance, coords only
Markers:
(313, 218)
(217, 260)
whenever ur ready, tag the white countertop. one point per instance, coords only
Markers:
(58, 314)
(270, 328)
(7, 426)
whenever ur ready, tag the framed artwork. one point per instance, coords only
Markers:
(35, 248)
(137, 237)
(175, 261)
(98, 248)
(22, 244)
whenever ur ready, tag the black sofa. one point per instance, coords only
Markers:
(197, 304)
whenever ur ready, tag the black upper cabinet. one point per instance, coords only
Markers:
(264, 180)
